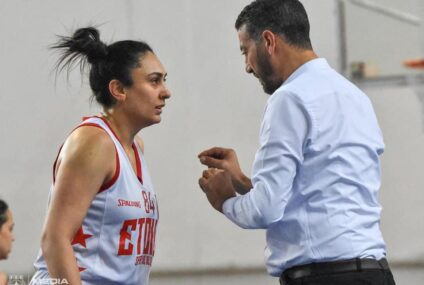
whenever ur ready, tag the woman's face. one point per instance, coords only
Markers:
(6, 236)
(146, 97)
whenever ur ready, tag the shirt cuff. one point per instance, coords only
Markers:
(227, 207)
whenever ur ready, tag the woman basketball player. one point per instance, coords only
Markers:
(6, 235)
(102, 214)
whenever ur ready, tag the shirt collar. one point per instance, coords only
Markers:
(317, 63)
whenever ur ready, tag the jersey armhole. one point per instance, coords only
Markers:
(105, 185)
(112, 181)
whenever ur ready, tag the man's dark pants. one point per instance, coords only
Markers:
(349, 272)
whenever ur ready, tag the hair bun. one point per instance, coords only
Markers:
(106, 62)
(87, 41)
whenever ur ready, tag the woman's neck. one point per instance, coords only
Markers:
(121, 126)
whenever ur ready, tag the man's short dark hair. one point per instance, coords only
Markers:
(286, 18)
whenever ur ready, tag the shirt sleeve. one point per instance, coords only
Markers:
(283, 136)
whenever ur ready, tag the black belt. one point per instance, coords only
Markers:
(350, 265)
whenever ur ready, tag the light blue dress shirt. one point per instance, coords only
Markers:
(316, 174)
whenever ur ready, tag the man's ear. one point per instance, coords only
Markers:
(269, 39)
(117, 90)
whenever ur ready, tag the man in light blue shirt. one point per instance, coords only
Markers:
(316, 174)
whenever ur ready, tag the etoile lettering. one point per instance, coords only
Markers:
(144, 230)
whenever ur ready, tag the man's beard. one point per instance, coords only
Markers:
(266, 73)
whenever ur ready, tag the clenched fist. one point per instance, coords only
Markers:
(226, 159)
(217, 185)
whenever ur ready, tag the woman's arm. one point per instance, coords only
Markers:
(3, 279)
(87, 160)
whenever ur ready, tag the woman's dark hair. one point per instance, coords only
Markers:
(107, 62)
(286, 18)
(3, 210)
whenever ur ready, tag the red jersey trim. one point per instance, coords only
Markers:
(110, 128)
(137, 157)
(54, 164)
(110, 183)
(138, 163)
(106, 185)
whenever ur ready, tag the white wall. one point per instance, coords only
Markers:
(214, 103)
(401, 117)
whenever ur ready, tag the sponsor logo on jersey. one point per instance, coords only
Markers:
(126, 203)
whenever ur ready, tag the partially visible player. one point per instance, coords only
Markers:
(6, 235)
(102, 215)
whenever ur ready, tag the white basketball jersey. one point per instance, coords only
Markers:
(116, 242)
